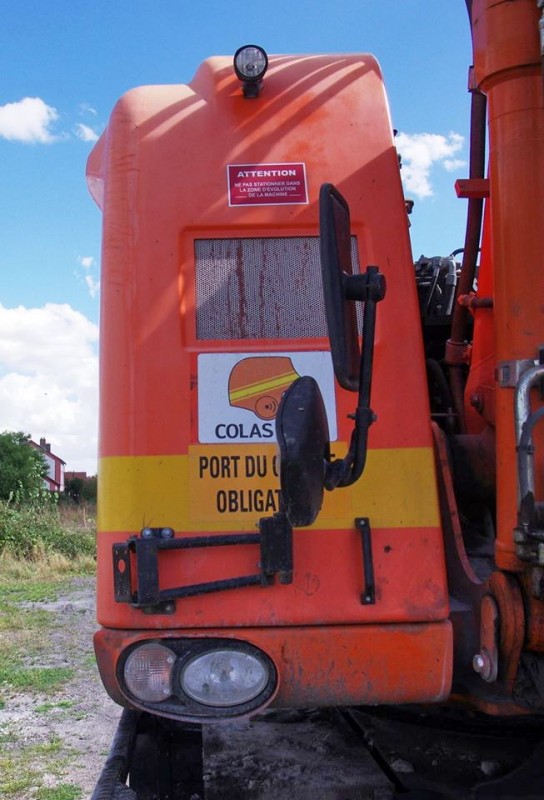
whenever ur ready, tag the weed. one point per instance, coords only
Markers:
(16, 775)
(54, 745)
(18, 771)
(64, 791)
(7, 735)
(38, 679)
(44, 708)
(15, 618)
(13, 785)
(27, 590)
(32, 531)
(40, 553)
(90, 661)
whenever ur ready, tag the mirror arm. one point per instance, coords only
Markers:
(344, 472)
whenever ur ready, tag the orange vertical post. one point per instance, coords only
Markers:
(508, 70)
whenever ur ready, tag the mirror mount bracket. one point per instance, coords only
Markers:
(370, 289)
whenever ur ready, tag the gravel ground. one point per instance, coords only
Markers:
(302, 755)
(80, 718)
(298, 755)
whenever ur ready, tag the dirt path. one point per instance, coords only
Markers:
(53, 745)
(61, 739)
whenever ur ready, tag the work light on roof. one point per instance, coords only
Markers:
(250, 65)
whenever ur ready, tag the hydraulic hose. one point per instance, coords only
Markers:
(461, 316)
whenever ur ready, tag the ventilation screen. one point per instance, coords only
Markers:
(267, 288)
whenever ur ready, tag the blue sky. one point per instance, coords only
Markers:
(64, 63)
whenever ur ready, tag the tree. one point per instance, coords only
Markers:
(22, 467)
(81, 489)
(73, 487)
(88, 491)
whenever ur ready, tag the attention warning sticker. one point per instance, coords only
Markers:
(266, 184)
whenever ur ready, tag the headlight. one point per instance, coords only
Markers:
(148, 672)
(224, 677)
(250, 65)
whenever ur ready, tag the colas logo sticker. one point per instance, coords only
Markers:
(239, 394)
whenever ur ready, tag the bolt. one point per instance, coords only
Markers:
(167, 533)
(147, 533)
(478, 662)
(477, 402)
(481, 663)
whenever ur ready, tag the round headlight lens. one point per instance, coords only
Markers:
(250, 63)
(148, 672)
(224, 678)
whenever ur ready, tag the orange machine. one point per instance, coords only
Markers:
(227, 579)
(211, 266)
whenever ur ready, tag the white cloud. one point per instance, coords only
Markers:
(92, 285)
(86, 108)
(91, 282)
(48, 379)
(451, 164)
(85, 133)
(421, 152)
(28, 120)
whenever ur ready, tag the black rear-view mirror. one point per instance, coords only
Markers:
(337, 269)
(303, 440)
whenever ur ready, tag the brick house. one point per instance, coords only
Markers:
(54, 480)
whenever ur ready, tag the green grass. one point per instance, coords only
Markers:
(54, 745)
(40, 554)
(22, 769)
(65, 791)
(23, 631)
(45, 680)
(32, 591)
(45, 708)
(6, 735)
(13, 784)
(16, 618)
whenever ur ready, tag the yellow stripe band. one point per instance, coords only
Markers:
(229, 487)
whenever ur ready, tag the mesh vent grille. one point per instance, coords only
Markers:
(266, 288)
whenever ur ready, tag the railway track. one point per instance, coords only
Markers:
(333, 754)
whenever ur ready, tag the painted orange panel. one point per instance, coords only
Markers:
(326, 589)
(162, 190)
(322, 666)
(193, 293)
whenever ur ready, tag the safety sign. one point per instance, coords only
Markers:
(266, 184)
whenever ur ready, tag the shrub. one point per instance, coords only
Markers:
(29, 530)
